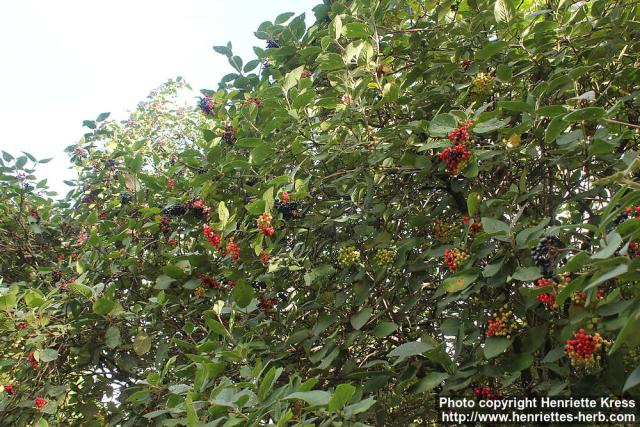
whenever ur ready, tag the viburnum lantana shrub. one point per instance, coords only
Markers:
(406, 199)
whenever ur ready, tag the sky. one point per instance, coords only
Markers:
(67, 61)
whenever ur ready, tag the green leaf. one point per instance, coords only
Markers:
(283, 17)
(459, 282)
(504, 11)
(292, 78)
(257, 207)
(163, 282)
(409, 349)
(384, 329)
(430, 381)
(142, 344)
(359, 319)
(357, 30)
(490, 125)
(504, 73)
(358, 407)
(615, 272)
(112, 337)
(341, 397)
(330, 61)
(555, 128)
(223, 213)
(103, 305)
(83, 290)
(34, 298)
(490, 49)
(628, 333)
(313, 398)
(267, 382)
(527, 274)
(517, 106)
(442, 125)
(48, 355)
(261, 154)
(585, 114)
(242, 294)
(494, 346)
(473, 203)
(613, 243)
(633, 380)
(494, 226)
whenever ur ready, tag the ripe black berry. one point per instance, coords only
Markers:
(207, 105)
(229, 134)
(175, 210)
(126, 198)
(545, 253)
(283, 297)
(259, 285)
(56, 275)
(272, 44)
(110, 163)
(289, 210)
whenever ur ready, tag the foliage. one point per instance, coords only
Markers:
(158, 292)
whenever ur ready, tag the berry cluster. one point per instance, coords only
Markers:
(633, 249)
(466, 64)
(272, 44)
(443, 231)
(547, 298)
(56, 276)
(630, 212)
(456, 158)
(483, 83)
(545, 254)
(455, 258)
(461, 134)
(503, 323)
(289, 210)
(207, 105)
(264, 256)
(305, 74)
(232, 249)
(266, 304)
(583, 349)
(200, 292)
(264, 224)
(40, 402)
(486, 393)
(199, 209)
(229, 134)
(164, 225)
(171, 184)
(9, 389)
(348, 256)
(254, 101)
(126, 198)
(579, 298)
(631, 359)
(209, 282)
(31, 358)
(259, 285)
(475, 227)
(175, 210)
(384, 257)
(212, 236)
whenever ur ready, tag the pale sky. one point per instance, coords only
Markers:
(62, 62)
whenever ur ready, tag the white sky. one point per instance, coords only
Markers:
(62, 62)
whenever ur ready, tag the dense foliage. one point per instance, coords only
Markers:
(407, 198)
